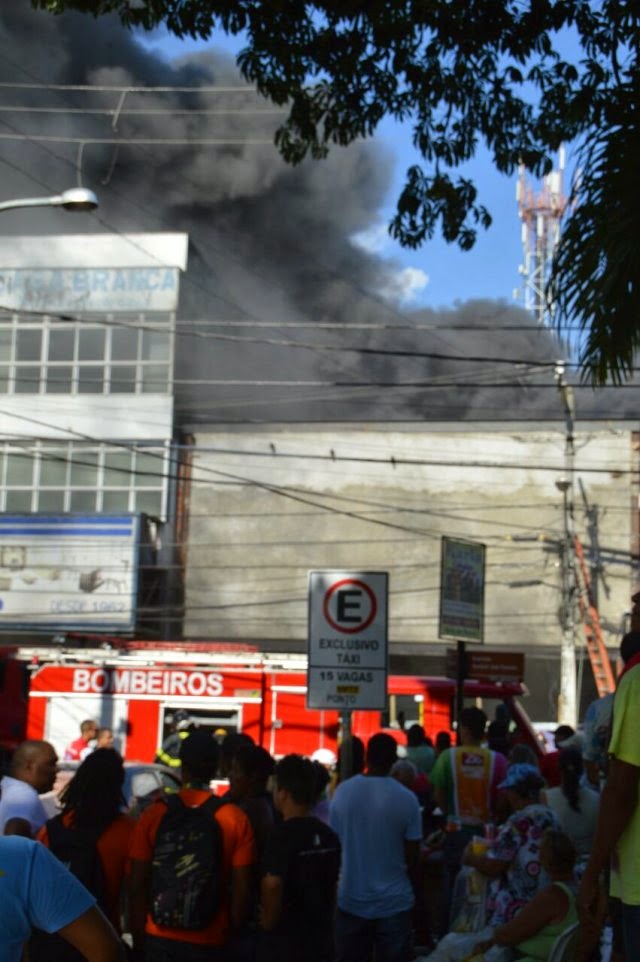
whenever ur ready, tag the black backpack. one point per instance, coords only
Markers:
(186, 869)
(78, 851)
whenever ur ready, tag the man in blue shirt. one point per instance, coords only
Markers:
(379, 825)
(32, 771)
(37, 890)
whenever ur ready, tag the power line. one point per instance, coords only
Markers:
(143, 141)
(333, 457)
(181, 332)
(306, 499)
(258, 382)
(146, 111)
(185, 322)
(116, 88)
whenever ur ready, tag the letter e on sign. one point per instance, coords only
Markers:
(349, 606)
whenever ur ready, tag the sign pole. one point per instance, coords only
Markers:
(346, 747)
(461, 672)
(462, 569)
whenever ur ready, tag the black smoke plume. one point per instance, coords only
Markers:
(269, 244)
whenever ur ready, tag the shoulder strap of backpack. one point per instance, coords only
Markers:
(212, 804)
(173, 801)
(59, 833)
(55, 830)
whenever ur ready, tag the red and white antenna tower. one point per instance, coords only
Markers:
(540, 214)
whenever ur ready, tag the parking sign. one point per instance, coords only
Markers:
(347, 643)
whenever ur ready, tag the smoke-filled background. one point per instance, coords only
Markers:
(312, 333)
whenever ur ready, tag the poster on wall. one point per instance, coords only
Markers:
(68, 571)
(462, 569)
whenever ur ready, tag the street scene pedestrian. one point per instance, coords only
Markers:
(366, 887)
(251, 769)
(193, 860)
(465, 781)
(78, 749)
(92, 834)
(105, 738)
(181, 725)
(379, 825)
(617, 837)
(298, 872)
(574, 803)
(37, 890)
(32, 771)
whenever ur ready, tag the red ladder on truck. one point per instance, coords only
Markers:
(598, 654)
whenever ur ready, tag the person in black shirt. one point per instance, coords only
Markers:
(299, 873)
(251, 768)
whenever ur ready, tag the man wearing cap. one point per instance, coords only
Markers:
(514, 860)
(169, 752)
(199, 755)
(618, 832)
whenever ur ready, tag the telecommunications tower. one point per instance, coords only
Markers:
(540, 213)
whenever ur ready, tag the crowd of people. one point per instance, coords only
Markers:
(486, 850)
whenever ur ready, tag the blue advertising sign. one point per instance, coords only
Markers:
(68, 571)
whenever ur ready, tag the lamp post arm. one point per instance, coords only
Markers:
(55, 201)
(75, 199)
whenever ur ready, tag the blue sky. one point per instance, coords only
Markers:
(438, 274)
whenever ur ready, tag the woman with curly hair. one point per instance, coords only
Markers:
(92, 805)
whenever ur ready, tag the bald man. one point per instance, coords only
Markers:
(32, 771)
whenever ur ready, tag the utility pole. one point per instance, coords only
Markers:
(567, 700)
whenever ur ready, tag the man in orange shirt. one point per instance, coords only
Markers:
(158, 943)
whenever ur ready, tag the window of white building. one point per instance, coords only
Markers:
(112, 355)
(83, 478)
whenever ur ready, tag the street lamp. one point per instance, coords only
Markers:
(74, 199)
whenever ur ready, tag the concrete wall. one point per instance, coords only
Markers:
(268, 504)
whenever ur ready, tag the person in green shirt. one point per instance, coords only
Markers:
(537, 925)
(419, 751)
(466, 778)
(465, 781)
(618, 831)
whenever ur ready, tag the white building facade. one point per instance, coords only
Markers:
(87, 340)
(269, 503)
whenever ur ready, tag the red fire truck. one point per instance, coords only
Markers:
(135, 687)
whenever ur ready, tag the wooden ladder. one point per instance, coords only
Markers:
(598, 654)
